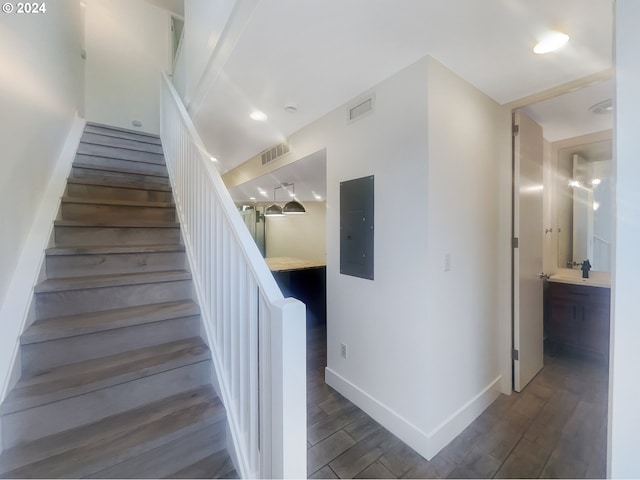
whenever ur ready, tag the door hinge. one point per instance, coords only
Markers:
(514, 242)
(515, 130)
(515, 354)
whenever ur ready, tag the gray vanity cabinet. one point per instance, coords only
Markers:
(578, 316)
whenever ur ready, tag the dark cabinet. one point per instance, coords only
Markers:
(578, 316)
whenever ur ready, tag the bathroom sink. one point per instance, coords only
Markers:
(574, 276)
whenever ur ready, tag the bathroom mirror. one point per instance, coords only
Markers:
(584, 200)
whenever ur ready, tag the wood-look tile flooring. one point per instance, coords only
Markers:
(555, 428)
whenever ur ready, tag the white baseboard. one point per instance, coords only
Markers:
(14, 312)
(427, 444)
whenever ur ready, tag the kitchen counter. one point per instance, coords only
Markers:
(574, 276)
(283, 264)
(305, 280)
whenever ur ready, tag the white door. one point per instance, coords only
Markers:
(527, 251)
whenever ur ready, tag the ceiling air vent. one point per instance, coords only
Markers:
(277, 151)
(362, 107)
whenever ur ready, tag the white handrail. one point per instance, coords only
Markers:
(257, 337)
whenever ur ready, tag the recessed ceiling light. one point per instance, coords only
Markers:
(252, 198)
(601, 108)
(258, 116)
(551, 42)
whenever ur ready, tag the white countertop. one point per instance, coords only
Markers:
(574, 276)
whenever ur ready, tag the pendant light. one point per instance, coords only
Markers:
(274, 210)
(291, 207)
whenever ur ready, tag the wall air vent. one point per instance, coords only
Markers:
(273, 153)
(362, 107)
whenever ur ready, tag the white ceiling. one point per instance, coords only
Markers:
(174, 6)
(321, 54)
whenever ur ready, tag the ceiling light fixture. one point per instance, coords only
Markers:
(213, 159)
(602, 108)
(258, 116)
(551, 42)
(291, 207)
(290, 108)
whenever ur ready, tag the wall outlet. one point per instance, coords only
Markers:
(447, 262)
(343, 350)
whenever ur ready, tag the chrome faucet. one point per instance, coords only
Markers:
(586, 266)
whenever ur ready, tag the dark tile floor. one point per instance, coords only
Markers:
(555, 428)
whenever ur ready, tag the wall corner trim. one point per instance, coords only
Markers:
(426, 444)
(15, 308)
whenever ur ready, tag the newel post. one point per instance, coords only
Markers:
(289, 390)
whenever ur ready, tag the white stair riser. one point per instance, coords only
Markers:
(119, 133)
(77, 265)
(31, 424)
(124, 177)
(70, 236)
(133, 166)
(71, 302)
(114, 193)
(120, 153)
(109, 141)
(116, 213)
(63, 351)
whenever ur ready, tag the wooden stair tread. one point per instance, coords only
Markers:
(108, 168)
(124, 203)
(129, 185)
(114, 249)
(217, 465)
(110, 280)
(77, 223)
(125, 433)
(57, 383)
(86, 323)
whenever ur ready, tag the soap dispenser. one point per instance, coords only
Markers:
(586, 266)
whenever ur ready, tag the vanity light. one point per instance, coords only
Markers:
(551, 42)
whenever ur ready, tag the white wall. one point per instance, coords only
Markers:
(300, 236)
(424, 345)
(128, 45)
(41, 89)
(204, 23)
(624, 415)
(469, 145)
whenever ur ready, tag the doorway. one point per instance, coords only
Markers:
(575, 192)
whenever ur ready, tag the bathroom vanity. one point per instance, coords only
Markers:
(578, 310)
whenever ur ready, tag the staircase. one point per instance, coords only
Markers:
(116, 381)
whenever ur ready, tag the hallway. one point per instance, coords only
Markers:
(555, 428)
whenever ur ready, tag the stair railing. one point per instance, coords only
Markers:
(257, 337)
